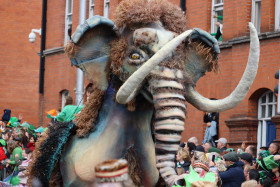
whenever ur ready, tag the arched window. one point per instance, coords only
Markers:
(266, 109)
(63, 94)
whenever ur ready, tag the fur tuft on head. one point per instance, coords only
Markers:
(134, 12)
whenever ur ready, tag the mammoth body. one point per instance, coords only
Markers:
(116, 131)
(152, 65)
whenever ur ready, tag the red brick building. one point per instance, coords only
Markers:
(20, 82)
(19, 61)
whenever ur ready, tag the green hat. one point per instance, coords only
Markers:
(230, 150)
(25, 124)
(264, 153)
(39, 129)
(3, 142)
(231, 156)
(268, 162)
(214, 149)
(12, 121)
(31, 127)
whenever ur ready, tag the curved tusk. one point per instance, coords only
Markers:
(242, 88)
(129, 89)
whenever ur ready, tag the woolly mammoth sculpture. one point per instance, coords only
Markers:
(144, 66)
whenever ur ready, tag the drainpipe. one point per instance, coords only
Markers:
(43, 46)
(80, 74)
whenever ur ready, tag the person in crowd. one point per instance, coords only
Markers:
(210, 132)
(234, 175)
(27, 155)
(222, 144)
(200, 148)
(15, 159)
(3, 156)
(23, 137)
(212, 116)
(246, 171)
(246, 158)
(206, 146)
(269, 170)
(193, 140)
(190, 147)
(273, 148)
(183, 161)
(7, 135)
(249, 183)
(31, 144)
(251, 149)
(67, 113)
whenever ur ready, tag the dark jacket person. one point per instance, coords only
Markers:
(233, 176)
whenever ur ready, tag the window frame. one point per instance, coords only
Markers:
(67, 22)
(215, 8)
(91, 8)
(106, 8)
(253, 13)
(277, 15)
(262, 121)
(63, 94)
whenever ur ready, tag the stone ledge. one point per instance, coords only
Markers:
(246, 39)
(242, 122)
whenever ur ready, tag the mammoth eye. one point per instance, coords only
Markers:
(135, 56)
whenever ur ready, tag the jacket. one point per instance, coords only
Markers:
(233, 176)
(67, 113)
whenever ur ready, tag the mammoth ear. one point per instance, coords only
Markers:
(201, 54)
(89, 48)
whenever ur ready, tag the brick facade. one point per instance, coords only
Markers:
(236, 125)
(19, 61)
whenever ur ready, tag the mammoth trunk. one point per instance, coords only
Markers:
(170, 116)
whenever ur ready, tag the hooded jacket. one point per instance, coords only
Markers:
(233, 176)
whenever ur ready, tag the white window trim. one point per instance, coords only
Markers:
(91, 8)
(277, 15)
(253, 19)
(66, 37)
(64, 94)
(106, 8)
(215, 7)
(262, 124)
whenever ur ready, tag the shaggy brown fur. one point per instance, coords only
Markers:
(35, 154)
(56, 178)
(117, 55)
(70, 49)
(133, 167)
(206, 53)
(132, 12)
(86, 119)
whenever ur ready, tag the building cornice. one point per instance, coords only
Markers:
(246, 39)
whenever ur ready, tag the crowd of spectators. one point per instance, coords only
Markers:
(210, 165)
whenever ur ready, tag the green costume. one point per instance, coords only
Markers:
(17, 150)
(67, 113)
(193, 177)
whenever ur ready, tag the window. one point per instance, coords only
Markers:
(266, 109)
(68, 20)
(217, 9)
(256, 14)
(63, 94)
(106, 8)
(277, 15)
(91, 8)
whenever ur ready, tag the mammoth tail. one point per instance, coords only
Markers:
(48, 152)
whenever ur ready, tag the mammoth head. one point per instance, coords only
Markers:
(149, 51)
